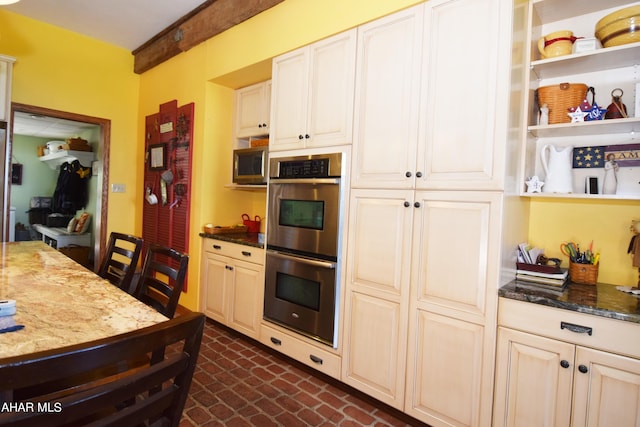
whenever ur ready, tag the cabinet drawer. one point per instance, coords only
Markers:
(578, 328)
(234, 250)
(317, 358)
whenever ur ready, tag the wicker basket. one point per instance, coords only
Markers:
(559, 98)
(586, 274)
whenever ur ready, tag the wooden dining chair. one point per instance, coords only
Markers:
(162, 279)
(120, 260)
(76, 385)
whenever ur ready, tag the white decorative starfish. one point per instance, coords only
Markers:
(534, 185)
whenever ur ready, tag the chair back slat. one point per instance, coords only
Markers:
(161, 282)
(93, 393)
(119, 263)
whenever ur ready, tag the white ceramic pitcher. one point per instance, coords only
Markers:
(556, 163)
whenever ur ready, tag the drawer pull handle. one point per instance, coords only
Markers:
(315, 359)
(276, 341)
(246, 253)
(564, 364)
(576, 328)
(217, 247)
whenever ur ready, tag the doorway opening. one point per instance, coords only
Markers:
(100, 167)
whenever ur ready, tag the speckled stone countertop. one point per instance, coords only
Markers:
(60, 302)
(600, 300)
(248, 239)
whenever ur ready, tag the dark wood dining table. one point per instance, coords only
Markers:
(59, 302)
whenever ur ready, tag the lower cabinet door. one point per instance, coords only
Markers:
(607, 389)
(214, 289)
(246, 295)
(533, 381)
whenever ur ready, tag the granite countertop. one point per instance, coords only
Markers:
(60, 302)
(248, 239)
(600, 300)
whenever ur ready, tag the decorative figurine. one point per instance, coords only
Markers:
(534, 185)
(634, 246)
(595, 113)
(543, 119)
(610, 184)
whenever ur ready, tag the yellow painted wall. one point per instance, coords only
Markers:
(65, 71)
(606, 222)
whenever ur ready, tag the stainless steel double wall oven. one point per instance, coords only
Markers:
(303, 229)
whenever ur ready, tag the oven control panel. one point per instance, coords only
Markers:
(301, 167)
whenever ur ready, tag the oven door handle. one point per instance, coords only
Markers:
(335, 181)
(312, 262)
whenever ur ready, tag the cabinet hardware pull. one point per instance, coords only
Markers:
(307, 136)
(576, 328)
(408, 174)
(583, 369)
(416, 204)
(217, 247)
(228, 267)
(276, 341)
(315, 359)
(407, 204)
(564, 364)
(300, 136)
(246, 253)
(419, 174)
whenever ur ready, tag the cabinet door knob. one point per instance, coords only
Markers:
(259, 125)
(300, 136)
(564, 364)
(416, 204)
(307, 136)
(408, 174)
(264, 125)
(228, 267)
(406, 204)
(583, 369)
(419, 174)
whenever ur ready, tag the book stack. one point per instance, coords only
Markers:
(547, 276)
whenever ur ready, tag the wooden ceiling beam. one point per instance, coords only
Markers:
(207, 20)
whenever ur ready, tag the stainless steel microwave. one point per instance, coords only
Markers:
(250, 165)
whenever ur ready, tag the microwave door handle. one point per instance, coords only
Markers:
(306, 180)
(312, 262)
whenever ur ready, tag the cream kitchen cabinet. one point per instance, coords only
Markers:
(312, 103)
(430, 97)
(559, 368)
(252, 107)
(232, 285)
(6, 69)
(420, 306)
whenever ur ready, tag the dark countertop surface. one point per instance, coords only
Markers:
(248, 239)
(600, 300)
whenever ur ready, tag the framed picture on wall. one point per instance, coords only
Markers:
(157, 157)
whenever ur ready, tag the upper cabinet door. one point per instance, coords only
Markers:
(387, 99)
(289, 99)
(464, 99)
(252, 110)
(312, 101)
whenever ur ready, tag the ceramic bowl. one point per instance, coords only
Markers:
(620, 27)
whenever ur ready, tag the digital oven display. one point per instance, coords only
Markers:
(308, 168)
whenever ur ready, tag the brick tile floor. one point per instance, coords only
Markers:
(239, 382)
